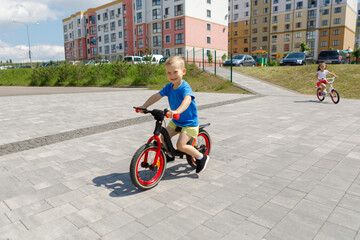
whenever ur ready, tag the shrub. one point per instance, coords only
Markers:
(274, 63)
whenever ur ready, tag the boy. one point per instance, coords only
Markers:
(182, 101)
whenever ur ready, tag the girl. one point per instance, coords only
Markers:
(321, 77)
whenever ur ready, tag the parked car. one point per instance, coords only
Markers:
(154, 59)
(162, 60)
(133, 59)
(240, 60)
(297, 58)
(332, 56)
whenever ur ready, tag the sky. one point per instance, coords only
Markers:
(46, 39)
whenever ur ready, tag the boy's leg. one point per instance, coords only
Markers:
(201, 159)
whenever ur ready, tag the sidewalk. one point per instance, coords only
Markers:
(283, 166)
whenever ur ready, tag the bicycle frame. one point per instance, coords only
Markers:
(330, 83)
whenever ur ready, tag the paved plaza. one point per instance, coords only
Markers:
(283, 166)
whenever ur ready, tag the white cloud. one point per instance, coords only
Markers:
(20, 53)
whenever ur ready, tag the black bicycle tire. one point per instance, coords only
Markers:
(322, 97)
(337, 94)
(134, 164)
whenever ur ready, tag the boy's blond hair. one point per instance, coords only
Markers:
(175, 60)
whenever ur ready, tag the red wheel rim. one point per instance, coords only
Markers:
(160, 165)
(206, 143)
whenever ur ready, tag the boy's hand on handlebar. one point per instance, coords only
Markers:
(173, 114)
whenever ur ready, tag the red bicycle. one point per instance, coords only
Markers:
(149, 161)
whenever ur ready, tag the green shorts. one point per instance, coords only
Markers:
(190, 131)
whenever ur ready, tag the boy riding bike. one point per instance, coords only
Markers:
(182, 101)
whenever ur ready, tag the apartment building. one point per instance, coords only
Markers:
(357, 33)
(139, 27)
(280, 26)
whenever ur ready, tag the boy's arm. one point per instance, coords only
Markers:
(151, 100)
(183, 106)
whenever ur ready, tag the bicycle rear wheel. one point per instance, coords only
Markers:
(319, 95)
(143, 173)
(203, 144)
(335, 97)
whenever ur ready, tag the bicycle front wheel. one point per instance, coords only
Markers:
(335, 97)
(320, 95)
(145, 170)
(203, 144)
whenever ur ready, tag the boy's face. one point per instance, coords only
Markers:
(175, 73)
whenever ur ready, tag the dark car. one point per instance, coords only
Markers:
(162, 60)
(332, 56)
(240, 60)
(297, 58)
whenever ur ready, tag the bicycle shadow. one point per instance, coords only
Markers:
(121, 186)
(312, 101)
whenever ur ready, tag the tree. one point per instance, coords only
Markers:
(356, 54)
(304, 47)
(224, 57)
(330, 48)
(210, 57)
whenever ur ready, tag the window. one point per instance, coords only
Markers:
(112, 14)
(246, 4)
(140, 30)
(168, 38)
(125, 33)
(179, 24)
(179, 38)
(335, 43)
(208, 26)
(288, 7)
(140, 43)
(264, 39)
(254, 30)
(236, 33)
(124, 9)
(276, 8)
(265, 29)
(246, 40)
(236, 16)
(99, 17)
(287, 38)
(125, 21)
(273, 48)
(310, 35)
(323, 33)
(286, 47)
(157, 27)
(208, 40)
(106, 27)
(254, 40)
(246, 31)
(265, 19)
(274, 29)
(326, 2)
(178, 10)
(156, 41)
(106, 38)
(105, 16)
(120, 34)
(92, 30)
(91, 19)
(255, 21)
(208, 13)
(276, 1)
(139, 17)
(246, 22)
(299, 5)
(325, 12)
(323, 44)
(106, 48)
(311, 14)
(266, 10)
(167, 11)
(112, 26)
(156, 14)
(255, 3)
(337, 20)
(337, 10)
(299, 14)
(324, 22)
(246, 14)
(99, 39)
(138, 4)
(236, 24)
(287, 27)
(113, 48)
(336, 32)
(208, 1)
(287, 18)
(255, 12)
(236, 6)
(298, 35)
(179, 51)
(274, 39)
(246, 49)
(311, 24)
(156, 2)
(119, 23)
(93, 51)
(298, 24)
(167, 25)
(275, 19)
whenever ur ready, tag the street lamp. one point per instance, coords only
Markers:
(27, 29)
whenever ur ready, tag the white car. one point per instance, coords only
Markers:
(133, 59)
(154, 59)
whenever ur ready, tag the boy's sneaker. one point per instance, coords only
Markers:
(169, 159)
(201, 164)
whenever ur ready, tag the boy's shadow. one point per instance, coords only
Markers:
(121, 185)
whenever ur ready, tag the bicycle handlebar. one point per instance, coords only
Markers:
(176, 116)
(332, 79)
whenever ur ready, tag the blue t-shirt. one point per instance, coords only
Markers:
(189, 118)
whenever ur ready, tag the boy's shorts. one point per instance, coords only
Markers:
(190, 131)
(323, 81)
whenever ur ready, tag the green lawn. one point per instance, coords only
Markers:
(303, 78)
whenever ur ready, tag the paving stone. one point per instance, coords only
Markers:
(332, 231)
(53, 230)
(225, 221)
(268, 215)
(346, 218)
(325, 195)
(247, 231)
(202, 232)
(110, 223)
(288, 198)
(82, 233)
